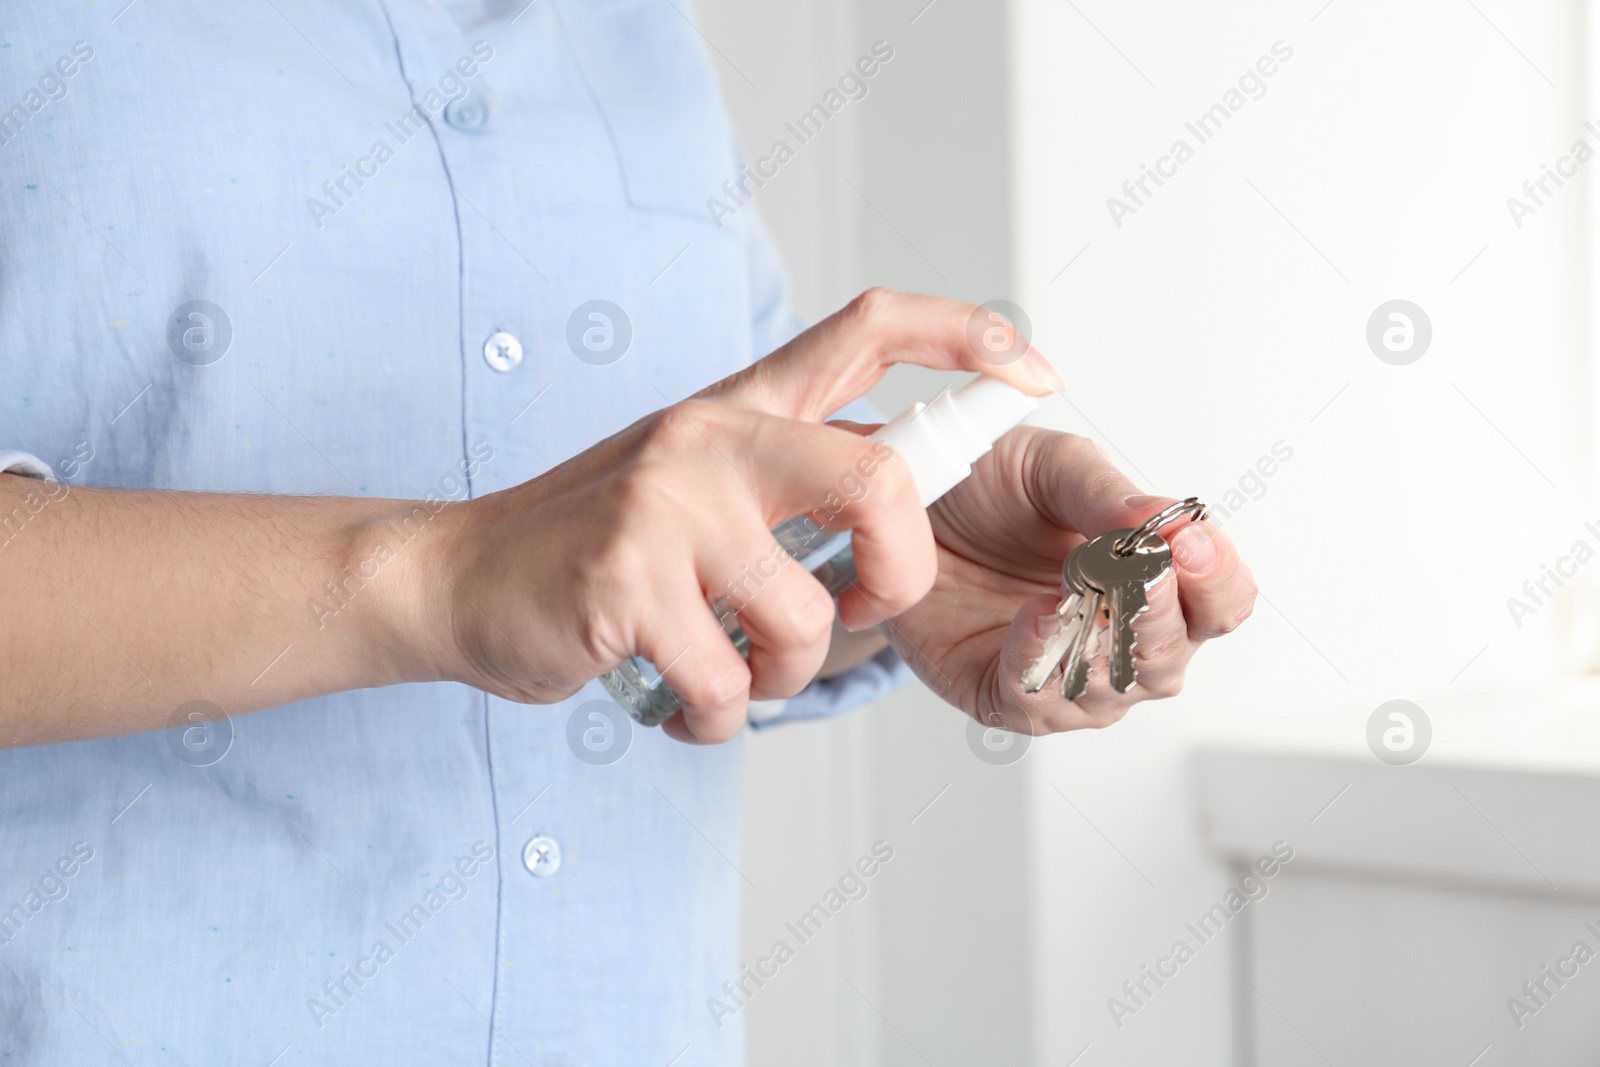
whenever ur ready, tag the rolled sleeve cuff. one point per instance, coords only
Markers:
(830, 696)
(26, 464)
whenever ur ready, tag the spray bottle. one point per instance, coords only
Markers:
(938, 441)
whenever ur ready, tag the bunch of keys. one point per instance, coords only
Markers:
(1107, 577)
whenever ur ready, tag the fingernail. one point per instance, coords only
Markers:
(1144, 501)
(1195, 549)
(1044, 370)
(1047, 626)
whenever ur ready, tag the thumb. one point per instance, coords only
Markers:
(841, 357)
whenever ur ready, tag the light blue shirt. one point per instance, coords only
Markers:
(350, 247)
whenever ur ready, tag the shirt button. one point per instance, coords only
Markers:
(542, 857)
(502, 351)
(468, 113)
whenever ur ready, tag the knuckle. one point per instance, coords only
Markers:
(598, 636)
(1236, 618)
(1063, 720)
(1165, 648)
(811, 617)
(869, 305)
(679, 428)
(698, 413)
(1110, 715)
(1164, 686)
(662, 433)
(723, 687)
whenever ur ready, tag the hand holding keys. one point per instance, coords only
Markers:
(1109, 577)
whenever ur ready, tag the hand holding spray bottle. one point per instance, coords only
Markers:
(938, 441)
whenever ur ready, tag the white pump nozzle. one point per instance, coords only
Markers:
(941, 440)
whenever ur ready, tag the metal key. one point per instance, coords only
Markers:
(1071, 640)
(1075, 683)
(1123, 573)
(1126, 565)
(1056, 646)
(1075, 672)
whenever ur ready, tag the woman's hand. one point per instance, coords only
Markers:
(531, 592)
(1002, 536)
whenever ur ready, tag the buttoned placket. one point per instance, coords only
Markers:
(497, 289)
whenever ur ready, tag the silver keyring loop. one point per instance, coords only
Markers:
(1169, 514)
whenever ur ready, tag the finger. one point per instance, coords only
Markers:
(1073, 483)
(841, 481)
(840, 358)
(783, 610)
(1215, 588)
(695, 658)
(1218, 590)
(793, 467)
(1162, 646)
(1162, 637)
(1076, 486)
(896, 559)
(1045, 711)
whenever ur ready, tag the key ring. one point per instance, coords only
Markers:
(1192, 507)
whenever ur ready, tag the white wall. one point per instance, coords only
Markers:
(1207, 328)
(1226, 315)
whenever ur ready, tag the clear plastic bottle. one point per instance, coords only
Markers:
(938, 441)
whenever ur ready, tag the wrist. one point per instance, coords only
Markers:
(399, 559)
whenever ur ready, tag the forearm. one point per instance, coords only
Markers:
(119, 606)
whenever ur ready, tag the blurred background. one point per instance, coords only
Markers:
(1415, 494)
